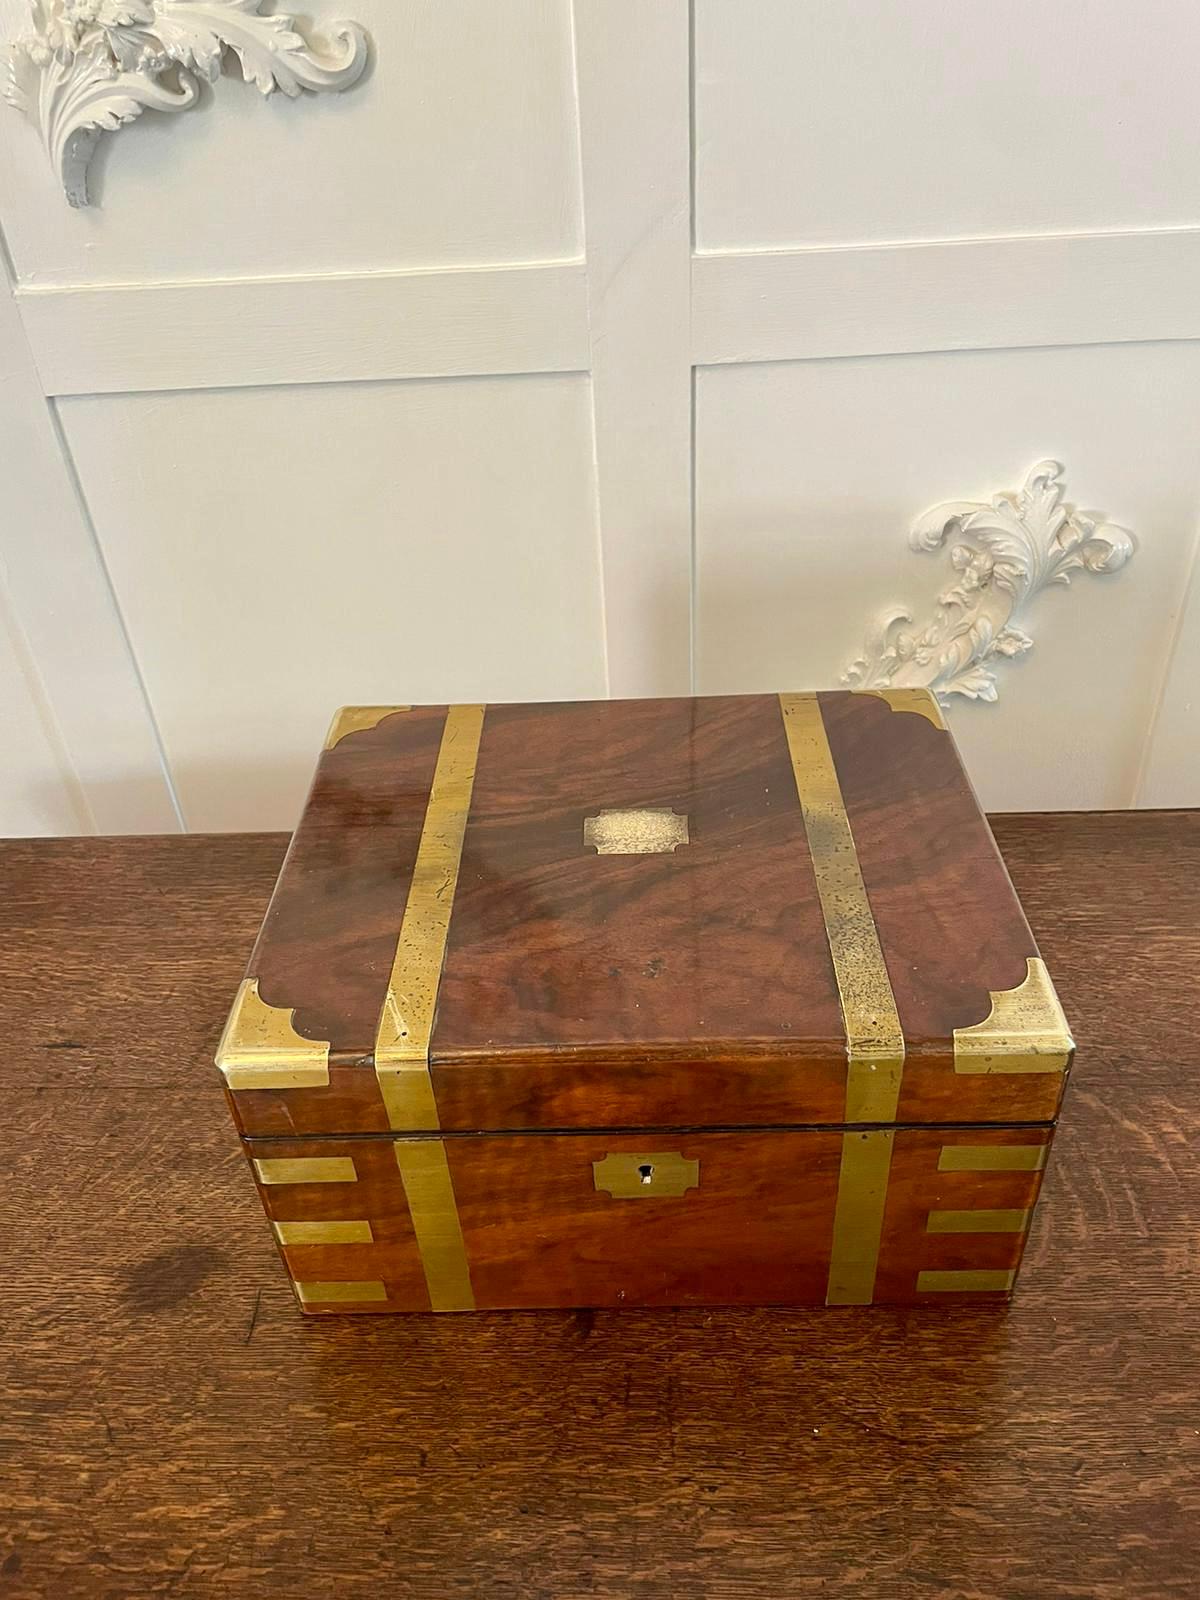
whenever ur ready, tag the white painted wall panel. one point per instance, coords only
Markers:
(1171, 773)
(849, 121)
(38, 794)
(249, 332)
(61, 603)
(389, 395)
(459, 147)
(977, 294)
(809, 475)
(634, 107)
(277, 553)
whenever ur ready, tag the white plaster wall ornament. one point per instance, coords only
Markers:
(90, 66)
(1007, 550)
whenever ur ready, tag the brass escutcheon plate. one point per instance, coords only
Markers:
(646, 1174)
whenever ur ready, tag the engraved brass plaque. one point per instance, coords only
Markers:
(646, 1175)
(635, 833)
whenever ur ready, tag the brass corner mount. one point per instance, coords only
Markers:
(261, 1049)
(1025, 1031)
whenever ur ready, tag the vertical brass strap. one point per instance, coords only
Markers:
(425, 1174)
(402, 1039)
(858, 1217)
(406, 1020)
(874, 1038)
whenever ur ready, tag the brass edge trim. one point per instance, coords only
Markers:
(260, 1048)
(318, 1293)
(307, 1169)
(356, 719)
(406, 1018)
(342, 1232)
(874, 1037)
(993, 1157)
(1025, 1030)
(978, 1221)
(858, 1217)
(429, 1190)
(921, 701)
(966, 1281)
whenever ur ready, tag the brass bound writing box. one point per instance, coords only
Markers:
(659, 1002)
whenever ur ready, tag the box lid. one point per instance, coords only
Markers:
(720, 912)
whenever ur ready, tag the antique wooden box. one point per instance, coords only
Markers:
(645, 1003)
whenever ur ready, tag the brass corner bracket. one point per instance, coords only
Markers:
(356, 719)
(260, 1048)
(922, 702)
(1025, 1031)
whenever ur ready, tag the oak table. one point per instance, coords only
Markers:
(169, 1424)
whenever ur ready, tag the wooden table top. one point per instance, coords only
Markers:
(172, 1426)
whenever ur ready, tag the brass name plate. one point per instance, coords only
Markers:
(646, 1175)
(635, 833)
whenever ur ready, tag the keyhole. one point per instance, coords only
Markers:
(646, 1173)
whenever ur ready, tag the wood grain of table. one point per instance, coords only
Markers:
(171, 1426)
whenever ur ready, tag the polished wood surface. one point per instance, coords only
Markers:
(326, 945)
(601, 990)
(755, 1230)
(172, 1426)
(716, 948)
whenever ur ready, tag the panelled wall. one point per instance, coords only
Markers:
(597, 348)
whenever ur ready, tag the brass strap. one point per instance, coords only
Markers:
(425, 1173)
(331, 1293)
(406, 1020)
(967, 1281)
(863, 1174)
(993, 1157)
(405, 1030)
(874, 1038)
(976, 1220)
(307, 1169)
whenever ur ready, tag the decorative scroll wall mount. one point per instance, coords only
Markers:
(88, 67)
(1006, 551)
